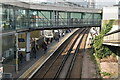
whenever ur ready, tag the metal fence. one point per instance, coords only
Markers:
(43, 23)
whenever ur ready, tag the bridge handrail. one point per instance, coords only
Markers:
(42, 22)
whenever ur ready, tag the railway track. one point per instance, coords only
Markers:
(63, 62)
(75, 68)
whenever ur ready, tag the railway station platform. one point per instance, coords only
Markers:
(28, 68)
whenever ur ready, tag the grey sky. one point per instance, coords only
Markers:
(106, 2)
(70, 0)
(97, 2)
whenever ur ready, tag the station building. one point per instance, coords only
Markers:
(22, 24)
(112, 38)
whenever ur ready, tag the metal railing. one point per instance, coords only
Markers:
(51, 23)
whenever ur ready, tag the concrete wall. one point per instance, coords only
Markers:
(112, 39)
(110, 13)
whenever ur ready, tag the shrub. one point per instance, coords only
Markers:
(105, 73)
(100, 50)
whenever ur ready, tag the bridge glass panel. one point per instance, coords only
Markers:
(8, 44)
(87, 18)
(8, 52)
(52, 18)
(97, 18)
(34, 21)
(45, 17)
(76, 15)
(63, 18)
(21, 18)
(40, 19)
(7, 18)
(1, 32)
(75, 19)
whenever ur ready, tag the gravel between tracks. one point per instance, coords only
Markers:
(89, 68)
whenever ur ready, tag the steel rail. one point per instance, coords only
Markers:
(76, 54)
(57, 59)
(67, 57)
(57, 56)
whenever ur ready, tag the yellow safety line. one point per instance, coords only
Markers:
(30, 69)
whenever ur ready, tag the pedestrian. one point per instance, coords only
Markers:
(14, 54)
(63, 33)
(71, 21)
(69, 30)
(37, 46)
(76, 21)
(51, 39)
(20, 56)
(34, 52)
(57, 36)
(44, 46)
(47, 40)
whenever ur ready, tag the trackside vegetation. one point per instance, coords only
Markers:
(101, 51)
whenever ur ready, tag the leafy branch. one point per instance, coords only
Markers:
(100, 50)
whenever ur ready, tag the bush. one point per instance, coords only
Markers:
(105, 73)
(100, 50)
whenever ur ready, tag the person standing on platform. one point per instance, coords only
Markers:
(47, 40)
(51, 39)
(44, 46)
(37, 47)
(57, 36)
(34, 52)
(20, 56)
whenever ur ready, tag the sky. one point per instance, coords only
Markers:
(106, 2)
(71, 0)
(97, 2)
